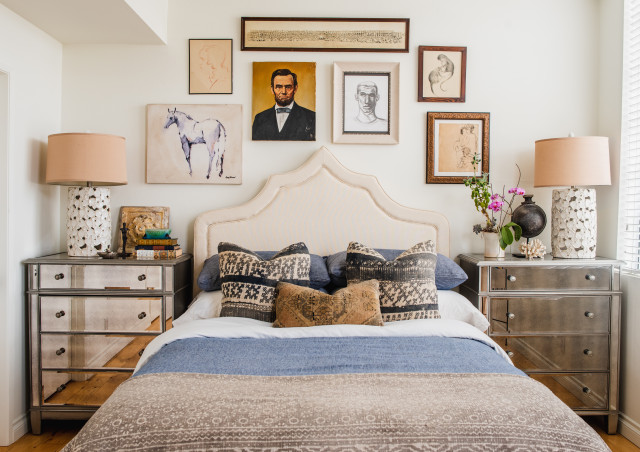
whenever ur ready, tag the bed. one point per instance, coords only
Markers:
(236, 383)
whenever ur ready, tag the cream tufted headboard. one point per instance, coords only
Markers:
(323, 204)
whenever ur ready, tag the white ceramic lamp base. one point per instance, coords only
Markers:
(574, 223)
(88, 220)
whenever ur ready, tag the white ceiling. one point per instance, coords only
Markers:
(86, 21)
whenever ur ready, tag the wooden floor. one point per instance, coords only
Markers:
(55, 434)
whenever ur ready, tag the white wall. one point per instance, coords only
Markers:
(530, 64)
(32, 63)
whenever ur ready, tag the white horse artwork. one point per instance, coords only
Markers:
(209, 132)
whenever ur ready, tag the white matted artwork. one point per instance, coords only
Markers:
(194, 144)
(365, 103)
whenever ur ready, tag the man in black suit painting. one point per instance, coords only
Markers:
(286, 120)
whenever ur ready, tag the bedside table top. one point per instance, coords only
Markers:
(548, 260)
(64, 258)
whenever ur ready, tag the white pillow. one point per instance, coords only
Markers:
(452, 305)
(204, 306)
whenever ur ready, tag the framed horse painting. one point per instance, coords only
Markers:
(194, 144)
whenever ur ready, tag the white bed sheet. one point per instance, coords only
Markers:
(239, 327)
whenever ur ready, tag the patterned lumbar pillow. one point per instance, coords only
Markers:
(249, 282)
(407, 283)
(357, 304)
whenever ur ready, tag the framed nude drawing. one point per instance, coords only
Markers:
(442, 73)
(365, 103)
(210, 66)
(194, 144)
(453, 139)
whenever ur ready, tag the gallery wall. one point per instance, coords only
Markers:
(532, 66)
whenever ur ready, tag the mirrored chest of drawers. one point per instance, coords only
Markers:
(558, 320)
(89, 321)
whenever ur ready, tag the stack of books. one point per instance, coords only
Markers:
(166, 248)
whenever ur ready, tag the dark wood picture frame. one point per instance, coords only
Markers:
(210, 66)
(451, 145)
(438, 60)
(307, 34)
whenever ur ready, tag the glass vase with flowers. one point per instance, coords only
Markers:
(495, 207)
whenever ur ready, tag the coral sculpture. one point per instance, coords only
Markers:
(534, 248)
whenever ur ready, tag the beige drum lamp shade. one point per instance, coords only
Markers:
(573, 162)
(85, 161)
(81, 158)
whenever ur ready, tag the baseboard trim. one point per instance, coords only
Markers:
(630, 429)
(19, 428)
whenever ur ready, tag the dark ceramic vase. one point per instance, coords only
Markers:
(530, 217)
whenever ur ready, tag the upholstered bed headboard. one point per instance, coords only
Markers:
(324, 205)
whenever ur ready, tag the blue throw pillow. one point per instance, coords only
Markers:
(209, 277)
(448, 273)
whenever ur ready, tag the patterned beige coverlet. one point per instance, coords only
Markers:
(354, 412)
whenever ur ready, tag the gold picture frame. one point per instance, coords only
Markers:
(139, 218)
(452, 141)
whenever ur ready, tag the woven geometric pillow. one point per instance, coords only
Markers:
(407, 283)
(249, 282)
(357, 304)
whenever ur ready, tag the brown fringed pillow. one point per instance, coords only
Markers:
(407, 283)
(358, 304)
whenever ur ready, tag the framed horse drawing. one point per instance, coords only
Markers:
(194, 144)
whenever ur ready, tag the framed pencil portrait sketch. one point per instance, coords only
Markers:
(210, 66)
(442, 73)
(365, 103)
(453, 140)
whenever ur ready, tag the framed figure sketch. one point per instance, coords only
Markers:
(442, 73)
(365, 103)
(453, 139)
(210, 66)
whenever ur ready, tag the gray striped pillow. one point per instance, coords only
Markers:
(249, 282)
(407, 283)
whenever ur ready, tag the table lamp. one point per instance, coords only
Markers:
(86, 162)
(574, 162)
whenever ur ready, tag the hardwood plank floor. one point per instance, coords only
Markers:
(55, 434)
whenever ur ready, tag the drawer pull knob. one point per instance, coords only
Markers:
(142, 315)
(59, 314)
(60, 351)
(511, 315)
(590, 277)
(589, 314)
(59, 276)
(141, 352)
(510, 353)
(586, 390)
(588, 352)
(511, 278)
(142, 277)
